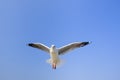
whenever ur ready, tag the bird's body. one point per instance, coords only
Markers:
(54, 58)
(55, 52)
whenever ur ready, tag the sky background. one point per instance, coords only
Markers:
(60, 22)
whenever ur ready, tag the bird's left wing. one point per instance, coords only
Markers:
(71, 46)
(39, 46)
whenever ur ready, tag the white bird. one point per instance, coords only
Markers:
(55, 52)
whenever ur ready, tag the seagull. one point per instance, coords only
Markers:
(55, 52)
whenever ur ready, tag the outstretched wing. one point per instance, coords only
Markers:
(71, 46)
(39, 46)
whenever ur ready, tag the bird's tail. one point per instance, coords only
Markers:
(59, 62)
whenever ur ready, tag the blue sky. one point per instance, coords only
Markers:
(60, 22)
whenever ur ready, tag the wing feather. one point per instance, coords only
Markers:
(39, 46)
(71, 46)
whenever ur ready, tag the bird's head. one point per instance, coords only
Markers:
(53, 46)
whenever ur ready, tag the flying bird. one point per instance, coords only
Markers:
(55, 52)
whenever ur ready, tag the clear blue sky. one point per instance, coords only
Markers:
(60, 22)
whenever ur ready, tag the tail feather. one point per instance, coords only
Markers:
(49, 61)
(59, 62)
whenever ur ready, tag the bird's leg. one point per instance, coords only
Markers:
(54, 66)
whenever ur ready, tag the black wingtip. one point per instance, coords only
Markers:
(85, 43)
(30, 44)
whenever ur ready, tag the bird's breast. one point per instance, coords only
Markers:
(53, 53)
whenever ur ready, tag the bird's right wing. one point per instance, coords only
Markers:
(71, 46)
(39, 46)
